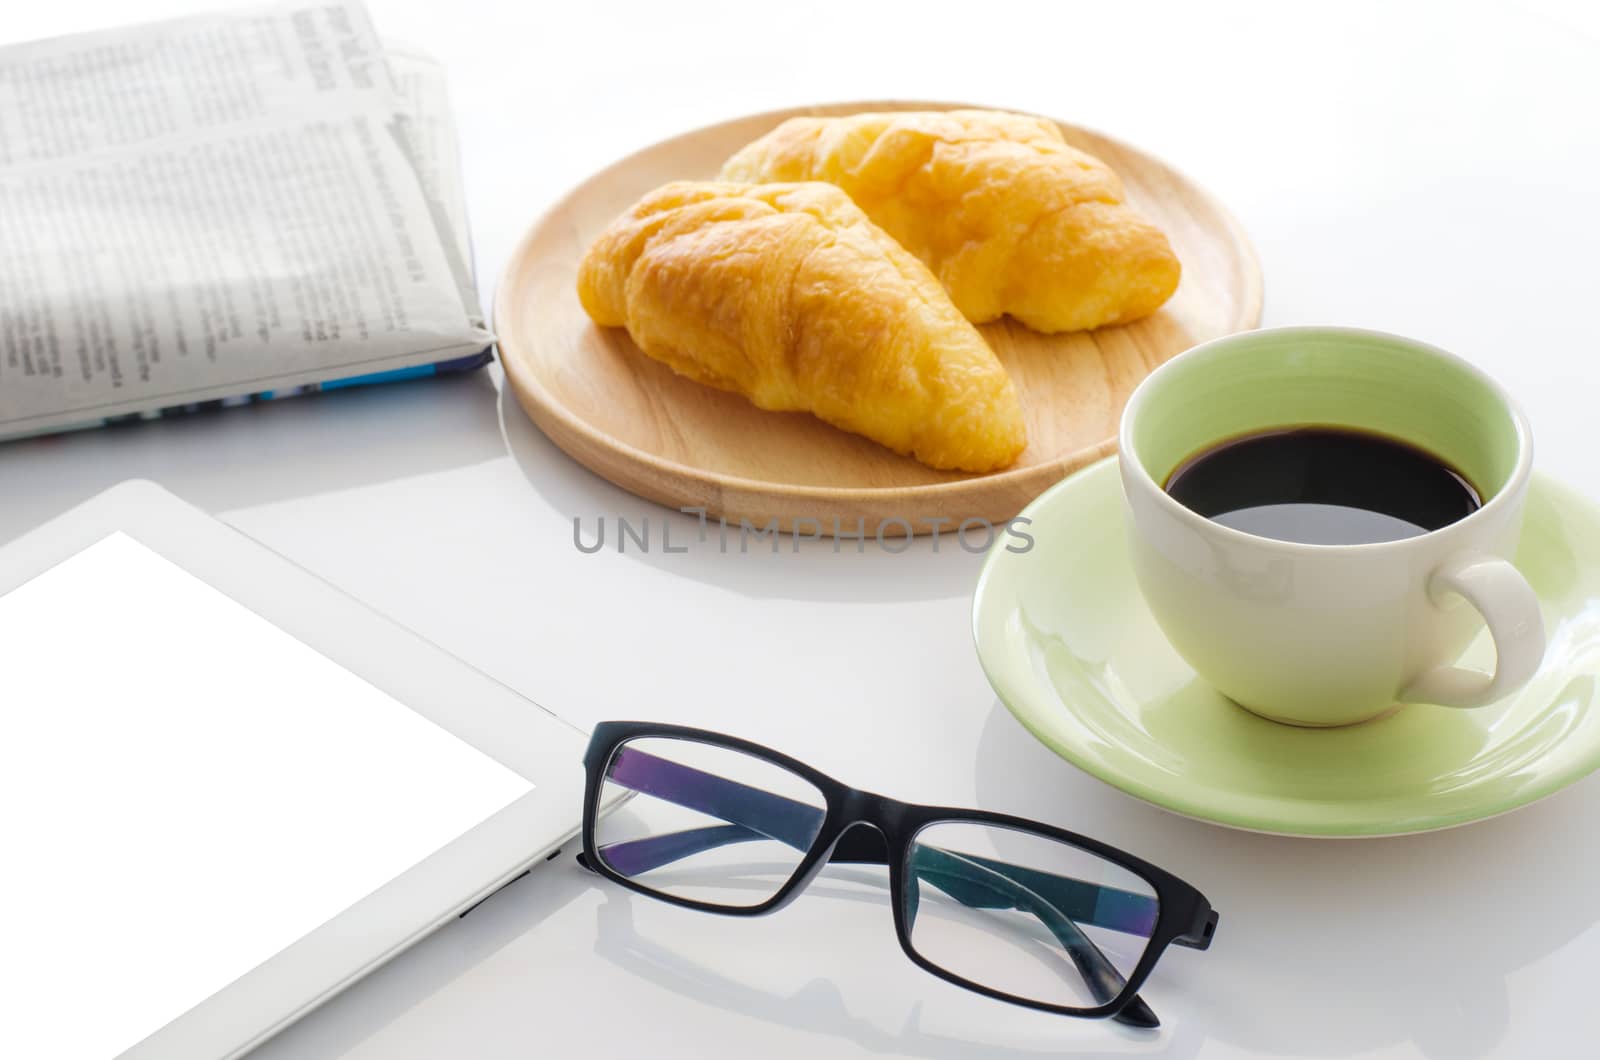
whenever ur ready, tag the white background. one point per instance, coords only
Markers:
(1426, 169)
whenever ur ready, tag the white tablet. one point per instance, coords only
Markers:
(228, 790)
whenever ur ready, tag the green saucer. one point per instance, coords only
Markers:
(1071, 649)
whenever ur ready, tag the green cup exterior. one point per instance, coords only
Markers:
(1318, 635)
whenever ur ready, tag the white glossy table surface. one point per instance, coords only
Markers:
(1423, 169)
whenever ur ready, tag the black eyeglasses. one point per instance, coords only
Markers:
(1010, 908)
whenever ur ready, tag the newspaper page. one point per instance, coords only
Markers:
(219, 205)
(429, 134)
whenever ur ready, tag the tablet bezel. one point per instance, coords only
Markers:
(479, 710)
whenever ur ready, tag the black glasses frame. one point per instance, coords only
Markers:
(860, 827)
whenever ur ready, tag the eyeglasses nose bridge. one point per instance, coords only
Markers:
(886, 816)
(865, 819)
(859, 843)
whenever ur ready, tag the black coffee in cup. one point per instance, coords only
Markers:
(1323, 486)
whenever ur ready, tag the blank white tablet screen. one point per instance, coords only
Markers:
(185, 790)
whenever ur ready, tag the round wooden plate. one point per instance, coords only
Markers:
(633, 421)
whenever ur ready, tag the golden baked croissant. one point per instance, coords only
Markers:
(1009, 216)
(787, 294)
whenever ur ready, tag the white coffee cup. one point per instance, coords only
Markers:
(1323, 635)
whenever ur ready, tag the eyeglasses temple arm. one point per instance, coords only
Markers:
(759, 812)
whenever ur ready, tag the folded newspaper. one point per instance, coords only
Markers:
(222, 209)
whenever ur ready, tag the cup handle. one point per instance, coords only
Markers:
(1510, 609)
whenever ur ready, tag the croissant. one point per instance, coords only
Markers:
(789, 295)
(1009, 216)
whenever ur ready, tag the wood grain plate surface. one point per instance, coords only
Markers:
(633, 421)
